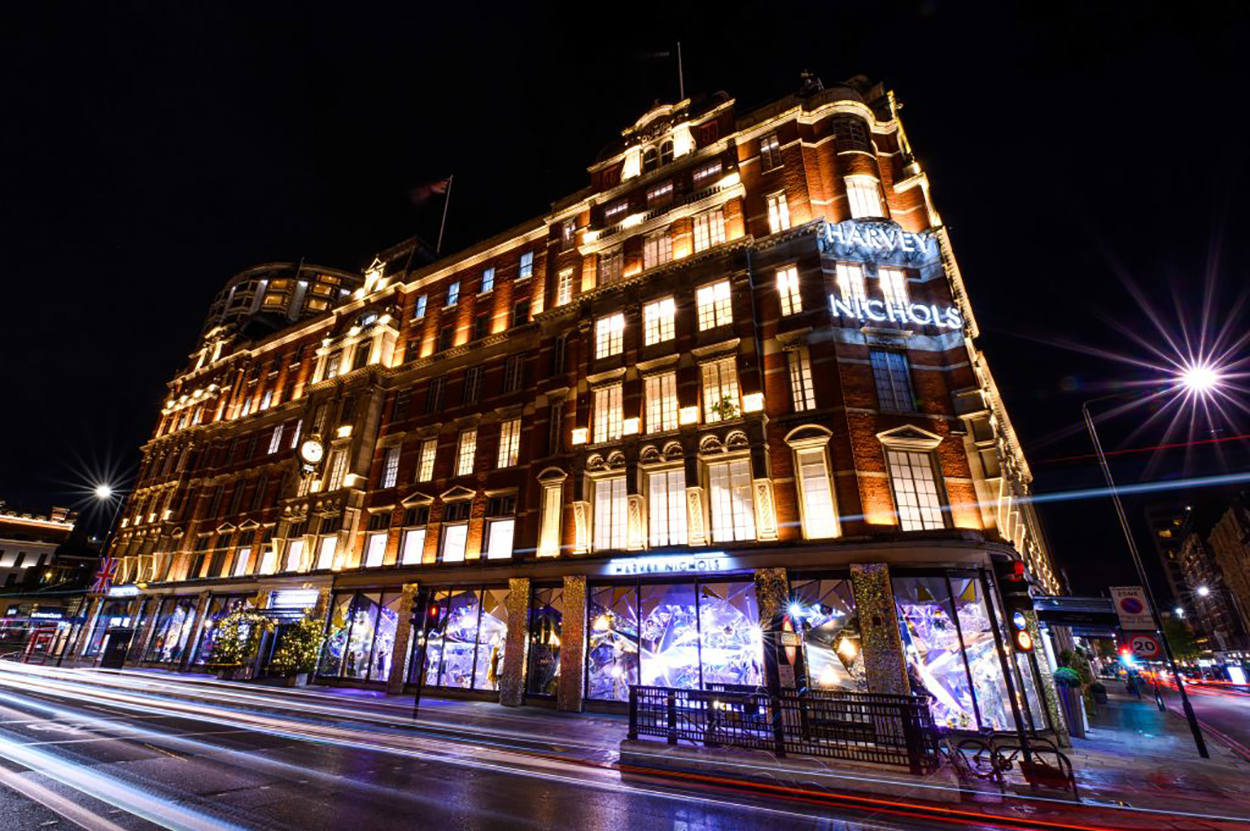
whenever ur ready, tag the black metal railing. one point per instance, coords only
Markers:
(864, 727)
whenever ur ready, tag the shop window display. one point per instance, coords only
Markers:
(218, 607)
(172, 630)
(465, 648)
(951, 653)
(681, 635)
(546, 619)
(115, 613)
(831, 648)
(360, 636)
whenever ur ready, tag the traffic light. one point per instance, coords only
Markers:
(1023, 641)
(1013, 583)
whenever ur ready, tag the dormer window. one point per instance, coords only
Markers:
(656, 156)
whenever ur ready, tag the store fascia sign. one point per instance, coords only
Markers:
(699, 563)
(876, 240)
(865, 310)
(123, 591)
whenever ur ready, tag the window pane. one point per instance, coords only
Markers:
(454, 539)
(364, 619)
(607, 413)
(545, 628)
(733, 511)
(375, 550)
(818, 511)
(491, 638)
(610, 514)
(801, 390)
(414, 545)
(451, 663)
(612, 650)
(981, 651)
(337, 631)
(661, 397)
(384, 639)
(916, 499)
(667, 512)
(499, 545)
(831, 646)
(729, 626)
(669, 636)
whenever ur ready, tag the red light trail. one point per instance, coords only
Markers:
(1150, 448)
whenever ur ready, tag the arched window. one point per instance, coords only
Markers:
(650, 160)
(666, 151)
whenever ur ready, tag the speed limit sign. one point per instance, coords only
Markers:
(1146, 646)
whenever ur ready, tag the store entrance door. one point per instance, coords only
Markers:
(115, 649)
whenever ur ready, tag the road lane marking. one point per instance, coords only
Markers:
(25, 785)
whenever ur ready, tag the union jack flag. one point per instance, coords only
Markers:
(104, 575)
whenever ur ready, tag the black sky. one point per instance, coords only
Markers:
(151, 151)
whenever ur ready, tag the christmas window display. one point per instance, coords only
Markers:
(824, 612)
(173, 630)
(612, 653)
(682, 635)
(218, 608)
(113, 613)
(951, 654)
(465, 647)
(360, 636)
(546, 619)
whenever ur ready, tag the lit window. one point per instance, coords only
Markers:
(864, 195)
(893, 286)
(455, 538)
(714, 305)
(294, 554)
(465, 451)
(720, 390)
(611, 264)
(658, 318)
(608, 415)
(818, 516)
(337, 470)
(414, 546)
(266, 399)
(488, 281)
(657, 249)
(453, 293)
(851, 282)
(500, 527)
(332, 364)
(568, 234)
(615, 212)
(915, 489)
(242, 559)
(564, 287)
(666, 496)
(661, 396)
(707, 174)
(325, 551)
(275, 440)
(527, 266)
(770, 152)
(509, 442)
(660, 194)
(778, 213)
(801, 390)
(390, 467)
(709, 229)
(425, 465)
(610, 335)
(611, 523)
(375, 549)
(788, 290)
(418, 311)
(729, 492)
(893, 378)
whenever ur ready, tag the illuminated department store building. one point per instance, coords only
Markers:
(735, 375)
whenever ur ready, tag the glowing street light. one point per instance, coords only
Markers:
(1179, 611)
(1199, 379)
(1203, 591)
(103, 491)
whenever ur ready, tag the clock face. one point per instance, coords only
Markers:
(311, 451)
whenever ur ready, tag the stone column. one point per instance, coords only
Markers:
(696, 529)
(879, 639)
(512, 680)
(401, 654)
(581, 527)
(772, 596)
(637, 528)
(1050, 695)
(193, 642)
(572, 686)
(765, 512)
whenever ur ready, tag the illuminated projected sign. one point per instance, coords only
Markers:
(876, 240)
(943, 317)
(706, 561)
(123, 591)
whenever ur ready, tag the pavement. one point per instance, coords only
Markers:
(141, 748)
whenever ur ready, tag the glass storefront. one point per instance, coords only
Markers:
(360, 637)
(825, 609)
(546, 619)
(682, 635)
(169, 638)
(113, 614)
(466, 643)
(218, 607)
(952, 657)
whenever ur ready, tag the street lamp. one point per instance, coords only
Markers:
(104, 493)
(1196, 379)
(1203, 591)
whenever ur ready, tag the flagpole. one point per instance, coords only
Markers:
(438, 249)
(681, 76)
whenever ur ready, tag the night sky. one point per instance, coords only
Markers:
(150, 152)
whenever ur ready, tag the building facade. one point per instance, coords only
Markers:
(1212, 561)
(736, 376)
